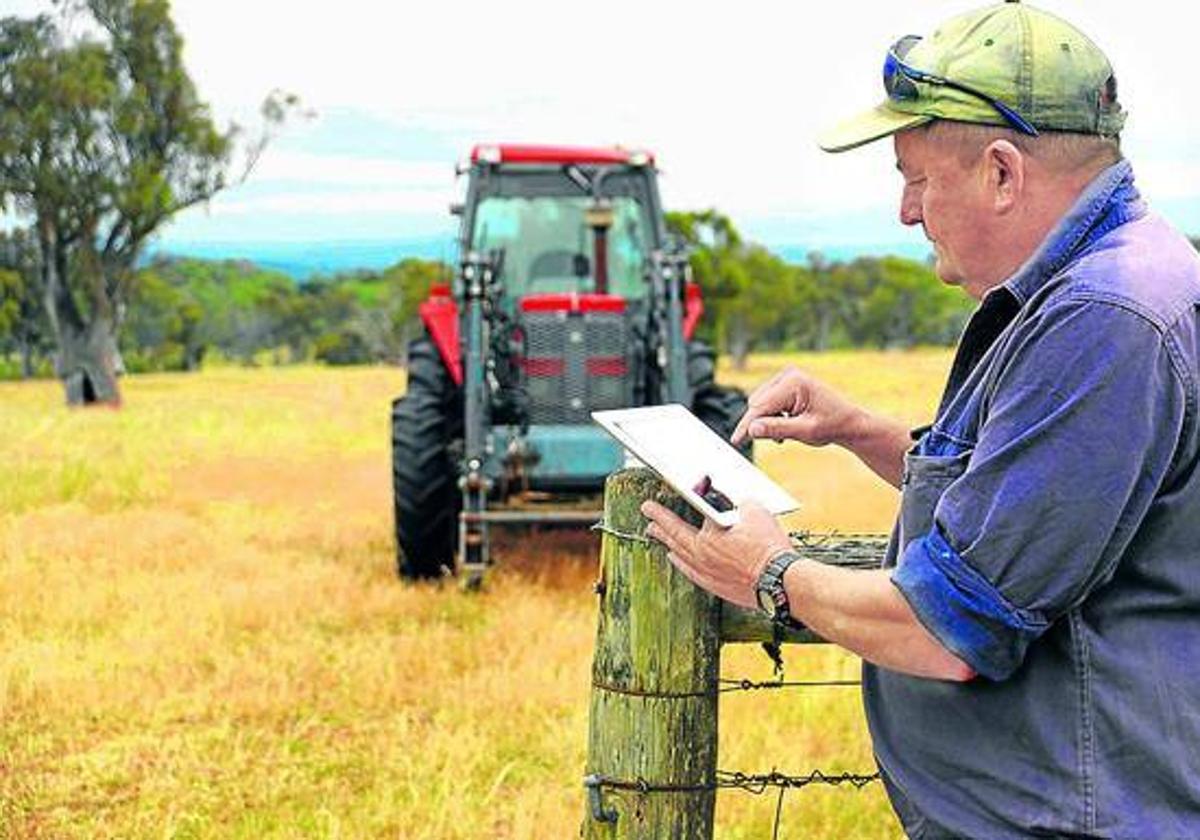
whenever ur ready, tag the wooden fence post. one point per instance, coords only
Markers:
(654, 681)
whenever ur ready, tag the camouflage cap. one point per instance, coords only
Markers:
(1040, 66)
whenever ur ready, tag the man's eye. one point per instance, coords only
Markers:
(912, 182)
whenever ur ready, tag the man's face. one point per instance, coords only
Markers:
(948, 201)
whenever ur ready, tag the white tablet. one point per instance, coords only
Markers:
(701, 465)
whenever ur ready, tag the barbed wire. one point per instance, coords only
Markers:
(833, 548)
(750, 685)
(754, 783)
(854, 551)
(604, 528)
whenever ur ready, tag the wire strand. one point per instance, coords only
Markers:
(605, 528)
(755, 784)
(729, 684)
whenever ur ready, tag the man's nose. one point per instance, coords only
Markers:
(910, 209)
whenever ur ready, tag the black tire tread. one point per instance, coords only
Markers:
(426, 498)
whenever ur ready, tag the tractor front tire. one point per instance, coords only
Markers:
(719, 406)
(425, 423)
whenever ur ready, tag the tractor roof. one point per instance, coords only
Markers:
(529, 153)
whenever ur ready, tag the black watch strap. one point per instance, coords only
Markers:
(772, 595)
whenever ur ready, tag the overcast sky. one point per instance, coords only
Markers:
(731, 102)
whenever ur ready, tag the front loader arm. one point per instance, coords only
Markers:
(478, 275)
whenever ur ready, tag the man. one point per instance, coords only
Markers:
(1031, 641)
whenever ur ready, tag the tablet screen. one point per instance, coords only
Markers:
(695, 460)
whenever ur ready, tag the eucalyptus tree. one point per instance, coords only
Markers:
(103, 138)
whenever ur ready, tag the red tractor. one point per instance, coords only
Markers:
(570, 297)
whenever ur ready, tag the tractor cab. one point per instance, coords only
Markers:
(570, 234)
(581, 227)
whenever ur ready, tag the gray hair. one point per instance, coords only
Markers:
(1060, 151)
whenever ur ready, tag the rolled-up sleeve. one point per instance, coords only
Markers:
(1079, 435)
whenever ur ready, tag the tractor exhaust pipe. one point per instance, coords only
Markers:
(599, 218)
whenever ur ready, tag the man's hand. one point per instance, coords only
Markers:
(724, 561)
(795, 406)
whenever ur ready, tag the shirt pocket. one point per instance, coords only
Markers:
(926, 478)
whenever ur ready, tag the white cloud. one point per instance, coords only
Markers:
(341, 203)
(730, 97)
(1168, 178)
(318, 169)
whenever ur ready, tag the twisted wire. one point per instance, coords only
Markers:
(754, 783)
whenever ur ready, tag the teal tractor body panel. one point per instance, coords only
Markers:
(556, 456)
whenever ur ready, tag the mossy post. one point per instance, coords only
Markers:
(654, 681)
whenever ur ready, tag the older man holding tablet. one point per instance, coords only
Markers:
(1029, 641)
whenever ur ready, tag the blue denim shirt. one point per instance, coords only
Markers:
(1049, 535)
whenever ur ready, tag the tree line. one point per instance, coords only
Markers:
(182, 311)
(178, 312)
(755, 300)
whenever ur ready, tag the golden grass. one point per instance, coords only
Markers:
(201, 634)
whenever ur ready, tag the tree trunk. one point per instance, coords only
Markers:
(193, 357)
(26, 357)
(824, 327)
(88, 362)
(402, 352)
(739, 342)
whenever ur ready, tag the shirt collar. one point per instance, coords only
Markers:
(1110, 200)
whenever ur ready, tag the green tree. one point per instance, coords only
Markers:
(103, 139)
(23, 325)
(162, 331)
(897, 302)
(748, 291)
(758, 315)
(819, 308)
(12, 289)
(407, 283)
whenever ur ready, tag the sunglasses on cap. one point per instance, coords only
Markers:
(899, 78)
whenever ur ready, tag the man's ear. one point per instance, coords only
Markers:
(1004, 169)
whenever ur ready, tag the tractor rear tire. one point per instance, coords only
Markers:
(425, 423)
(719, 406)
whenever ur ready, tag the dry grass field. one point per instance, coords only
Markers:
(201, 634)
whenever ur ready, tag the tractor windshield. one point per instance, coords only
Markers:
(549, 245)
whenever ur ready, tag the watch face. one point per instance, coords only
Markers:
(766, 603)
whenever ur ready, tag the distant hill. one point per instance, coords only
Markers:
(302, 260)
(799, 254)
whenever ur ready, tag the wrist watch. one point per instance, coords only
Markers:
(771, 594)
